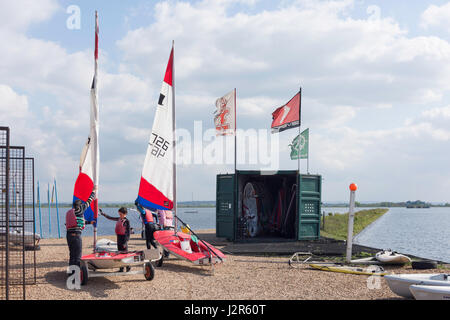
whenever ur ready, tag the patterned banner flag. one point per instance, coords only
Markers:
(225, 114)
(301, 141)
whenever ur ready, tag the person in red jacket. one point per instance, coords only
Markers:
(75, 224)
(122, 230)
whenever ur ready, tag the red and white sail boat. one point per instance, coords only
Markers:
(157, 188)
(89, 177)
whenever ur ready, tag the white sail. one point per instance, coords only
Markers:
(156, 190)
(88, 176)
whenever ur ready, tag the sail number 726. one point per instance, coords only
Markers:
(159, 145)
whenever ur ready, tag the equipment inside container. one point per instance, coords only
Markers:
(267, 207)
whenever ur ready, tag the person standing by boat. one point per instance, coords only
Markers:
(149, 219)
(165, 218)
(122, 229)
(75, 224)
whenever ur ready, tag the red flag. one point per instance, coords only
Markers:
(287, 116)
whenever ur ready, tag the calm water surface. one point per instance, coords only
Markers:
(204, 218)
(420, 232)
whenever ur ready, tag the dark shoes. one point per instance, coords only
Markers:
(127, 269)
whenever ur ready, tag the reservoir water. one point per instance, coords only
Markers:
(420, 232)
(203, 218)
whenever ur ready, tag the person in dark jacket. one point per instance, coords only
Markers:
(149, 219)
(122, 230)
(75, 224)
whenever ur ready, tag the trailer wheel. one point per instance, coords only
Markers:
(159, 263)
(84, 275)
(149, 271)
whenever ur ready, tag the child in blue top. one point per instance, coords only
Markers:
(149, 219)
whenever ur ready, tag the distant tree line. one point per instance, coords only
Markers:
(183, 204)
(385, 204)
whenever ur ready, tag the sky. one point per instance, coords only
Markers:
(375, 79)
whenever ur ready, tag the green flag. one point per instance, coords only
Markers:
(303, 141)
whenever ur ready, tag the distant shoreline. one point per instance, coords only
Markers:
(212, 204)
(127, 205)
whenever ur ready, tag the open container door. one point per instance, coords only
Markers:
(310, 207)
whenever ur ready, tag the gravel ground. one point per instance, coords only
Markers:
(240, 277)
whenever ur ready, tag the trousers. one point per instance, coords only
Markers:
(149, 239)
(75, 247)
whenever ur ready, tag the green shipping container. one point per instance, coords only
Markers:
(259, 205)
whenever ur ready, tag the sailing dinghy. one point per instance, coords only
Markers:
(157, 189)
(103, 258)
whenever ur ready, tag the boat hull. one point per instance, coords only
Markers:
(29, 239)
(110, 260)
(182, 246)
(106, 245)
(390, 257)
(421, 292)
(400, 283)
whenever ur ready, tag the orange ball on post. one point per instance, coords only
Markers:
(353, 187)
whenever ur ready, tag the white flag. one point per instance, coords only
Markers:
(225, 114)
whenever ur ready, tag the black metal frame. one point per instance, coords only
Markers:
(4, 212)
(17, 266)
(16, 257)
(29, 222)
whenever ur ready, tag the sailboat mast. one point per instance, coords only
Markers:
(174, 139)
(94, 114)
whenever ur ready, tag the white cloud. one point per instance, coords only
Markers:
(19, 14)
(436, 17)
(436, 113)
(50, 114)
(270, 51)
(345, 66)
(12, 104)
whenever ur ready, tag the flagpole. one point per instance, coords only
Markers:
(235, 133)
(235, 157)
(299, 130)
(297, 202)
(307, 159)
(96, 135)
(174, 138)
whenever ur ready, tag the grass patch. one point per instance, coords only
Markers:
(336, 225)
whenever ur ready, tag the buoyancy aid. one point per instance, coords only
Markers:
(120, 227)
(148, 216)
(165, 218)
(71, 219)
